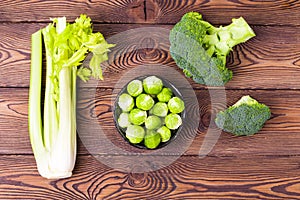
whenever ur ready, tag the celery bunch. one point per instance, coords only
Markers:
(53, 135)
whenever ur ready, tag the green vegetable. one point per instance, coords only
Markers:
(144, 102)
(165, 95)
(165, 133)
(135, 88)
(152, 122)
(135, 134)
(245, 117)
(137, 116)
(152, 139)
(53, 136)
(160, 109)
(200, 49)
(173, 121)
(123, 120)
(126, 102)
(176, 105)
(152, 85)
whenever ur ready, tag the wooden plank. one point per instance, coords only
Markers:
(187, 178)
(285, 12)
(280, 135)
(255, 64)
(153, 11)
(113, 11)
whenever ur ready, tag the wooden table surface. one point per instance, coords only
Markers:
(263, 166)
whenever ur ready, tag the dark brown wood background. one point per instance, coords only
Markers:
(264, 166)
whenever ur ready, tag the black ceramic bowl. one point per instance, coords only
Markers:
(117, 111)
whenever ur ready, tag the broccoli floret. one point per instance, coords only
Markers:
(245, 117)
(200, 49)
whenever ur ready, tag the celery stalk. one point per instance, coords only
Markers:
(35, 121)
(50, 110)
(53, 138)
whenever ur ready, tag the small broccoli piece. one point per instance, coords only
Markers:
(200, 49)
(245, 117)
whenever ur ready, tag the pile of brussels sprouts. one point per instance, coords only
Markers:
(150, 112)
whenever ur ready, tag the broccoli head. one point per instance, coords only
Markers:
(245, 117)
(200, 49)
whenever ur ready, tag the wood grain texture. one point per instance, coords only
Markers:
(116, 11)
(283, 12)
(280, 135)
(187, 178)
(274, 51)
(262, 58)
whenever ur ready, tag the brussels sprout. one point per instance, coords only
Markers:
(152, 139)
(165, 95)
(126, 102)
(152, 85)
(173, 121)
(165, 133)
(152, 122)
(160, 109)
(135, 134)
(135, 88)
(123, 120)
(176, 105)
(137, 116)
(144, 102)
